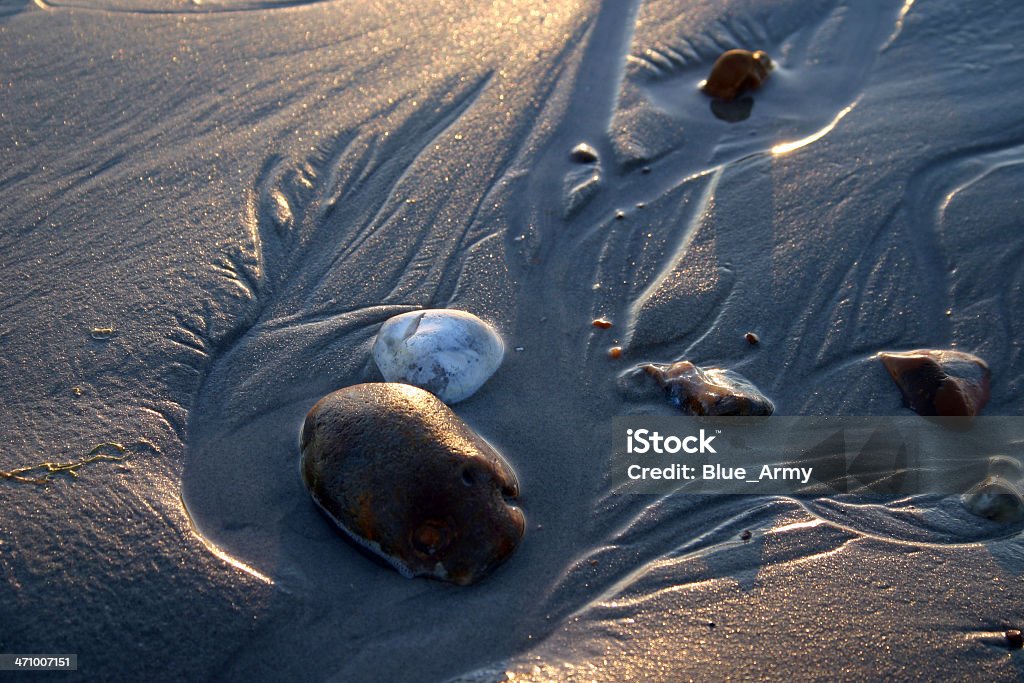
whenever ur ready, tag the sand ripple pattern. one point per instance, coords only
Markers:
(721, 229)
(966, 219)
(693, 232)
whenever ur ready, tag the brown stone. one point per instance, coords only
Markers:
(943, 383)
(709, 391)
(735, 72)
(405, 478)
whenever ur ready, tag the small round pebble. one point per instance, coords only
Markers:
(583, 154)
(736, 71)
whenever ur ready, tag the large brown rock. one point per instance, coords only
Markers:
(404, 477)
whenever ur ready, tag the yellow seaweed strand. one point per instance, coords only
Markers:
(49, 470)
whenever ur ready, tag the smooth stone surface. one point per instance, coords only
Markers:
(405, 478)
(996, 498)
(940, 382)
(737, 71)
(707, 391)
(449, 353)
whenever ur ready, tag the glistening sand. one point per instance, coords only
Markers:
(245, 190)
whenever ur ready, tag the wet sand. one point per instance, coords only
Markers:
(208, 209)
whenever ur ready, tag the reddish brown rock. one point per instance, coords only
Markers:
(944, 383)
(709, 391)
(735, 72)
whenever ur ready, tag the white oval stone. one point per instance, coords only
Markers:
(447, 352)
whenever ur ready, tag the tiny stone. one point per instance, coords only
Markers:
(752, 338)
(615, 352)
(645, 170)
(619, 215)
(583, 154)
(746, 535)
(603, 323)
(1014, 639)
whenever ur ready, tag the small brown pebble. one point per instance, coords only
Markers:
(1014, 639)
(603, 323)
(736, 71)
(752, 338)
(746, 535)
(593, 563)
(615, 352)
